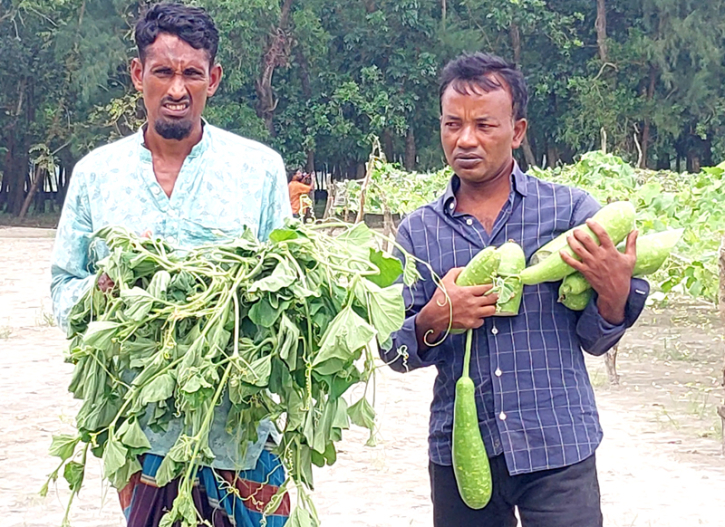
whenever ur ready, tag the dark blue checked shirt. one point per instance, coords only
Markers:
(534, 398)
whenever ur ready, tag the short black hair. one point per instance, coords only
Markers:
(191, 24)
(486, 72)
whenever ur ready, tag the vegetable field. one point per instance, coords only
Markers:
(660, 463)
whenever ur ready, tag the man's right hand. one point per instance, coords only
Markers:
(470, 306)
(105, 284)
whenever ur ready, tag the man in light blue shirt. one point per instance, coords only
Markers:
(190, 183)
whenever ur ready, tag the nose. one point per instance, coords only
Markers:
(467, 137)
(177, 89)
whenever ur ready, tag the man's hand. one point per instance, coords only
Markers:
(470, 305)
(105, 284)
(607, 270)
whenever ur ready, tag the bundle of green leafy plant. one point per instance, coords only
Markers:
(277, 330)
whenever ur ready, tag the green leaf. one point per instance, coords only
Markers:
(121, 478)
(73, 474)
(63, 446)
(114, 457)
(100, 333)
(410, 272)
(259, 373)
(159, 389)
(167, 472)
(159, 284)
(281, 235)
(263, 314)
(390, 268)
(133, 435)
(282, 276)
(138, 303)
(362, 414)
(299, 518)
(347, 333)
(288, 338)
(387, 309)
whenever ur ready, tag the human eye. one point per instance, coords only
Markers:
(163, 72)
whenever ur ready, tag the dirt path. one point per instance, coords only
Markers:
(660, 463)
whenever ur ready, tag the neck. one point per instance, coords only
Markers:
(171, 148)
(473, 197)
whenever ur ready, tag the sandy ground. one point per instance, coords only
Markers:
(660, 463)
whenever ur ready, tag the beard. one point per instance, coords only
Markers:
(176, 130)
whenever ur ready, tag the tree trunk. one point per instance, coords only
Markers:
(647, 122)
(693, 162)
(721, 409)
(610, 361)
(38, 179)
(18, 174)
(528, 152)
(276, 55)
(388, 145)
(601, 25)
(410, 150)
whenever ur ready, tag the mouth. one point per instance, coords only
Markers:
(467, 160)
(175, 109)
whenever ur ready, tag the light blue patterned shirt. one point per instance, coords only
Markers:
(226, 183)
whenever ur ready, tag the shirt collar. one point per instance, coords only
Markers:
(518, 179)
(197, 150)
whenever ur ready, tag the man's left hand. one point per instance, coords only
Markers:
(607, 270)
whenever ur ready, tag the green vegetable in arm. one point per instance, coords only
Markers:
(578, 302)
(481, 269)
(574, 284)
(616, 218)
(508, 284)
(603, 216)
(470, 460)
(652, 251)
(554, 246)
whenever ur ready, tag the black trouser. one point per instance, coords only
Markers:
(561, 497)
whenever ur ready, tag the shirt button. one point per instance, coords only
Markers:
(494, 331)
(498, 372)
(502, 416)
(171, 240)
(156, 190)
(469, 221)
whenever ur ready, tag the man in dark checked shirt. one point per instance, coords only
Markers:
(535, 402)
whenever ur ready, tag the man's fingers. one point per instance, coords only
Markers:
(571, 261)
(604, 240)
(576, 245)
(453, 273)
(488, 300)
(478, 290)
(631, 249)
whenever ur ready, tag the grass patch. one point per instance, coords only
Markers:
(5, 332)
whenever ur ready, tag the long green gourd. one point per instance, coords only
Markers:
(616, 218)
(508, 282)
(481, 269)
(470, 459)
(652, 251)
